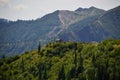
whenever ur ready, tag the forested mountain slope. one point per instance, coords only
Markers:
(65, 61)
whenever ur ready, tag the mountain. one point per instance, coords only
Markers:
(83, 24)
(65, 61)
(110, 22)
(97, 26)
(20, 36)
(83, 29)
(78, 18)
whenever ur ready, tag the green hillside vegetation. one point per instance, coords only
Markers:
(65, 61)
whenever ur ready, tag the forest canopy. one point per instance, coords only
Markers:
(65, 61)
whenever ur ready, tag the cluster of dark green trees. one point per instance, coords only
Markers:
(65, 61)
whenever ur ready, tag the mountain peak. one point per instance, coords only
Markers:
(92, 7)
(80, 9)
(86, 9)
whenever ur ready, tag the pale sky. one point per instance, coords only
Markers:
(32, 9)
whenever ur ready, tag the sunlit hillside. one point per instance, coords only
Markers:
(65, 61)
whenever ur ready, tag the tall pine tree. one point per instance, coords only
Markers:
(61, 74)
(39, 47)
(22, 65)
(75, 55)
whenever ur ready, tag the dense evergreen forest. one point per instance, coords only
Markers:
(65, 61)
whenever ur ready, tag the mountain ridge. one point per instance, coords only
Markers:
(83, 26)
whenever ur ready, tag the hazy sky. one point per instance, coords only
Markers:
(32, 9)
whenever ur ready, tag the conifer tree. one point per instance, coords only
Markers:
(114, 72)
(22, 65)
(39, 47)
(72, 73)
(93, 58)
(61, 74)
(45, 73)
(75, 55)
(106, 74)
(80, 67)
(40, 71)
(3, 56)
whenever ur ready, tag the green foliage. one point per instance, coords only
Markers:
(61, 74)
(65, 61)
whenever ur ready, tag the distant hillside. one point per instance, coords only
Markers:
(65, 61)
(82, 25)
(110, 22)
(21, 36)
